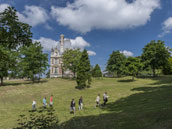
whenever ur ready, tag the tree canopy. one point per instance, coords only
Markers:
(156, 55)
(71, 59)
(96, 72)
(116, 63)
(13, 35)
(84, 71)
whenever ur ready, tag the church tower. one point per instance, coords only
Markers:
(61, 43)
(56, 61)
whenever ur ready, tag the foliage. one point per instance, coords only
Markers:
(39, 119)
(96, 72)
(33, 61)
(116, 63)
(13, 35)
(84, 71)
(48, 74)
(156, 55)
(167, 69)
(71, 60)
(134, 66)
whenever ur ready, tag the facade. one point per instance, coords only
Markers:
(56, 61)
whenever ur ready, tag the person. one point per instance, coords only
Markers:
(51, 101)
(105, 98)
(34, 105)
(80, 103)
(98, 100)
(44, 102)
(72, 106)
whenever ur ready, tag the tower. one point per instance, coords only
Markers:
(61, 43)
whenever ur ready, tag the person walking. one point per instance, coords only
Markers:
(97, 101)
(51, 101)
(80, 103)
(105, 98)
(44, 102)
(34, 105)
(72, 106)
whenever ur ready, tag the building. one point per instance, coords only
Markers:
(56, 61)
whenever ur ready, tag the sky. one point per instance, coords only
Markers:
(100, 26)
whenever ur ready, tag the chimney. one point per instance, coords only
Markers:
(61, 43)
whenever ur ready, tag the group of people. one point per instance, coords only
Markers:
(80, 102)
(72, 103)
(44, 101)
(105, 99)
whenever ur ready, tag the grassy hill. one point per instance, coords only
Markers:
(145, 103)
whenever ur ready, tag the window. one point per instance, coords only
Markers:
(56, 61)
(56, 70)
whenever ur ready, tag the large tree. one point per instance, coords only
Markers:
(71, 59)
(167, 69)
(33, 61)
(84, 71)
(156, 55)
(134, 66)
(13, 35)
(96, 72)
(116, 63)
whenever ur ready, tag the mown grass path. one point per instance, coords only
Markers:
(145, 103)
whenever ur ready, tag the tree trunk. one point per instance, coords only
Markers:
(133, 77)
(74, 74)
(153, 70)
(1, 81)
(33, 80)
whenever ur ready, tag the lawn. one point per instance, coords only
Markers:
(145, 103)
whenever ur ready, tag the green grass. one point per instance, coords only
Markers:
(145, 103)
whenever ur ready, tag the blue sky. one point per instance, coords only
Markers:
(100, 26)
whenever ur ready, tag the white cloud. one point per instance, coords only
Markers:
(85, 15)
(127, 53)
(79, 42)
(91, 53)
(166, 27)
(3, 7)
(33, 15)
(47, 43)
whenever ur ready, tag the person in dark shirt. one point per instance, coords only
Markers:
(72, 106)
(80, 103)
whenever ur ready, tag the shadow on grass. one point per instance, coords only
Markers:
(127, 80)
(160, 79)
(25, 82)
(149, 109)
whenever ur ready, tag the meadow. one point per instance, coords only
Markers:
(145, 103)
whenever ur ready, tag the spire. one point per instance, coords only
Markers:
(61, 43)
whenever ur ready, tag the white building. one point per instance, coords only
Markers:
(56, 62)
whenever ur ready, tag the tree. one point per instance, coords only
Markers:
(167, 69)
(156, 55)
(48, 74)
(33, 61)
(96, 72)
(71, 60)
(116, 63)
(83, 71)
(13, 35)
(134, 66)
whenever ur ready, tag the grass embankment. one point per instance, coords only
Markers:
(145, 103)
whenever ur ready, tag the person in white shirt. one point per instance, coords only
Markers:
(34, 105)
(97, 101)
